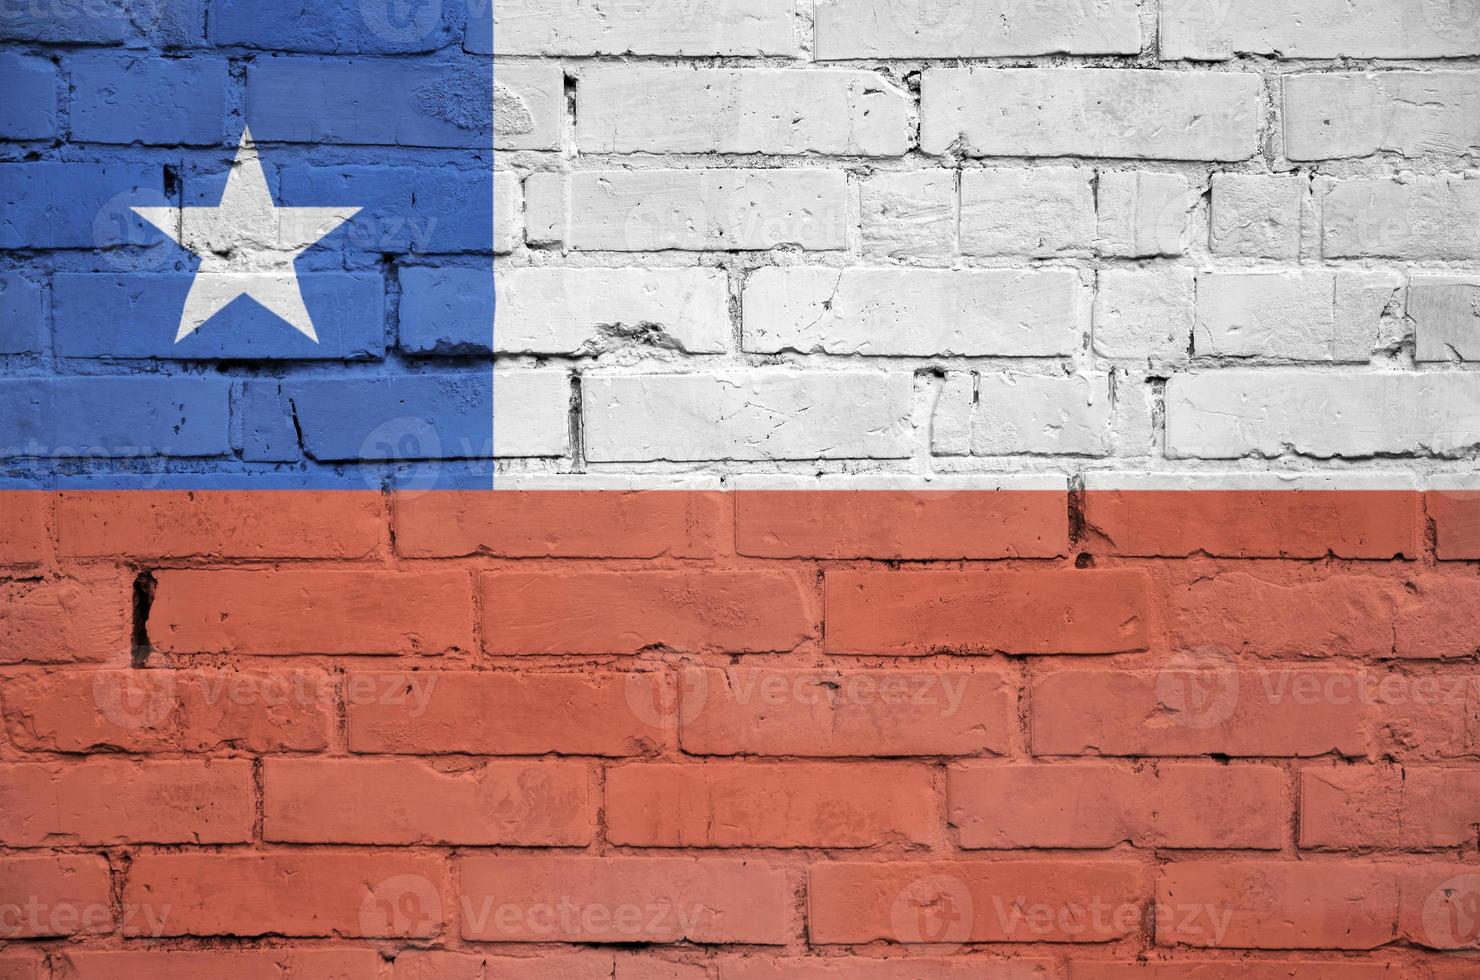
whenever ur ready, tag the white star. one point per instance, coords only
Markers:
(247, 246)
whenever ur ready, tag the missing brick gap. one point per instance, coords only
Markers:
(577, 432)
(139, 648)
(1076, 512)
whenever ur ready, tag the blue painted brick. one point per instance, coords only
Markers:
(379, 102)
(120, 98)
(336, 26)
(267, 432)
(74, 205)
(29, 109)
(72, 21)
(119, 417)
(137, 316)
(445, 416)
(22, 329)
(426, 209)
(446, 311)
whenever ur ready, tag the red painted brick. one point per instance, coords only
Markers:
(499, 713)
(793, 804)
(562, 524)
(1241, 969)
(819, 712)
(1380, 524)
(1425, 715)
(1101, 805)
(1186, 710)
(625, 612)
(902, 524)
(1387, 806)
(893, 968)
(1047, 901)
(54, 895)
(625, 900)
(23, 527)
(298, 893)
(1456, 517)
(1438, 616)
(1276, 905)
(220, 524)
(20, 966)
(82, 617)
(297, 611)
(116, 801)
(169, 710)
(517, 803)
(1440, 908)
(638, 967)
(439, 965)
(911, 613)
(224, 964)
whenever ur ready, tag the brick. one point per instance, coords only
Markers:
(440, 965)
(1388, 806)
(1039, 213)
(1456, 517)
(1144, 314)
(329, 26)
(1102, 806)
(820, 713)
(508, 212)
(119, 417)
(292, 893)
(635, 967)
(528, 106)
(625, 899)
(901, 524)
(561, 524)
(22, 319)
(30, 112)
(1344, 969)
(1198, 705)
(1436, 617)
(169, 710)
(102, 802)
(697, 210)
(910, 215)
(54, 895)
(497, 713)
(939, 29)
(974, 901)
(1141, 214)
(21, 966)
(1236, 413)
(915, 613)
(25, 533)
(1425, 716)
(1234, 523)
(1421, 218)
(1006, 414)
(149, 100)
(755, 415)
(82, 617)
(667, 27)
(1258, 216)
(291, 611)
(980, 312)
(320, 801)
(225, 964)
(106, 23)
(1328, 116)
(1299, 316)
(1048, 112)
(1436, 909)
(219, 524)
(1216, 30)
(421, 208)
(770, 805)
(625, 109)
(626, 612)
(133, 315)
(894, 968)
(1276, 905)
(1445, 311)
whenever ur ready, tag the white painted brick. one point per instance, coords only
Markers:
(1213, 30)
(1040, 212)
(1144, 314)
(1233, 413)
(1445, 311)
(658, 27)
(982, 28)
(1142, 214)
(910, 215)
(1040, 112)
(950, 424)
(507, 212)
(528, 106)
(652, 210)
(1132, 415)
(1021, 413)
(625, 109)
(544, 208)
(532, 409)
(559, 311)
(916, 312)
(1416, 218)
(1315, 315)
(748, 415)
(1356, 115)
(1257, 216)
